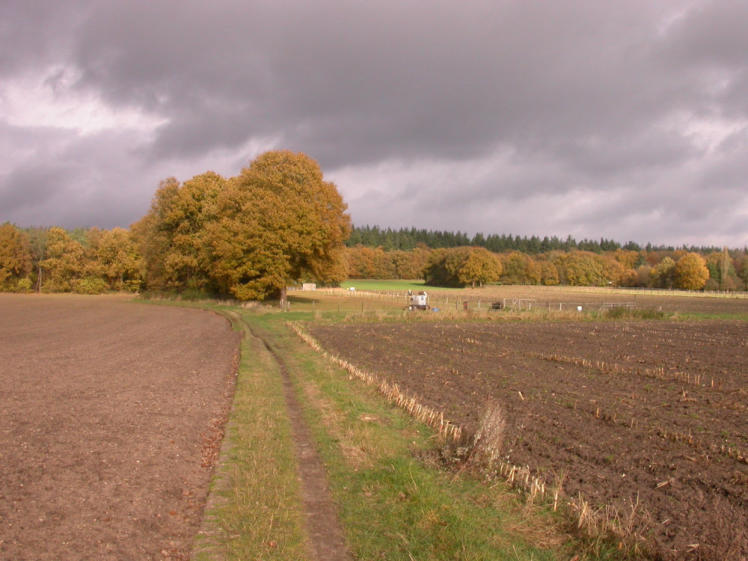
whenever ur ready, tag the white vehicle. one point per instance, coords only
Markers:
(418, 300)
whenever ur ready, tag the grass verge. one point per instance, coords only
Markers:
(255, 511)
(395, 502)
(391, 285)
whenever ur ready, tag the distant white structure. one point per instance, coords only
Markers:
(418, 301)
(309, 286)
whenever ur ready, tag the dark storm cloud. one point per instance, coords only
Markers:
(420, 107)
(27, 185)
(363, 82)
(85, 180)
(34, 32)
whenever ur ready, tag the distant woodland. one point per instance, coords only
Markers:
(445, 258)
(278, 223)
(410, 238)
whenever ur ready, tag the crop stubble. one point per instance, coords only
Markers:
(650, 416)
(111, 415)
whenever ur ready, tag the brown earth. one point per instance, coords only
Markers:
(648, 417)
(110, 417)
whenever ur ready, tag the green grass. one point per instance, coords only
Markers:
(393, 504)
(725, 316)
(390, 285)
(395, 500)
(255, 510)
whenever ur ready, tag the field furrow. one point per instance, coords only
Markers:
(643, 415)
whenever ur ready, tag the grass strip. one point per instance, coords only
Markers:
(255, 510)
(395, 502)
(392, 285)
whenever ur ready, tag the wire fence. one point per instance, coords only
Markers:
(446, 301)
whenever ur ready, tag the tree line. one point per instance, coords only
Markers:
(470, 266)
(179, 246)
(246, 237)
(408, 239)
(279, 223)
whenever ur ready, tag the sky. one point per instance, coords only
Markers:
(623, 120)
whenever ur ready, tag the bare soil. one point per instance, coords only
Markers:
(111, 414)
(648, 417)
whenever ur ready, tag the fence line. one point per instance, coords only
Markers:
(471, 302)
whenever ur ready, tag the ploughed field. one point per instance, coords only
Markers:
(647, 417)
(111, 414)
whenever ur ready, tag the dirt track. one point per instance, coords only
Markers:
(109, 417)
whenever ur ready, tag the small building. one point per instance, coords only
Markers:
(309, 286)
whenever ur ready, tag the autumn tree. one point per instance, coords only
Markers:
(462, 266)
(152, 243)
(117, 260)
(741, 269)
(615, 272)
(15, 257)
(369, 263)
(38, 243)
(435, 273)
(690, 272)
(518, 268)
(661, 275)
(480, 267)
(64, 264)
(722, 272)
(410, 264)
(630, 278)
(171, 236)
(375, 263)
(628, 258)
(581, 268)
(548, 274)
(279, 223)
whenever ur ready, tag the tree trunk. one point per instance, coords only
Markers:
(283, 298)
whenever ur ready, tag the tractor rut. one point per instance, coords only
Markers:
(326, 541)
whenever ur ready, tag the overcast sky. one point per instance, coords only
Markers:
(625, 120)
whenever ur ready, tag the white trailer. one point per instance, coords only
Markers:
(418, 300)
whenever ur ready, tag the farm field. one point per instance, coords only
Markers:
(672, 301)
(111, 415)
(649, 418)
(550, 298)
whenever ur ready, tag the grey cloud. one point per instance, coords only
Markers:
(712, 34)
(88, 180)
(29, 185)
(400, 80)
(583, 95)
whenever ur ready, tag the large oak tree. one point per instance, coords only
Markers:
(690, 272)
(277, 223)
(280, 222)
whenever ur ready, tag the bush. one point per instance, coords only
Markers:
(621, 312)
(133, 285)
(24, 285)
(90, 285)
(192, 294)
